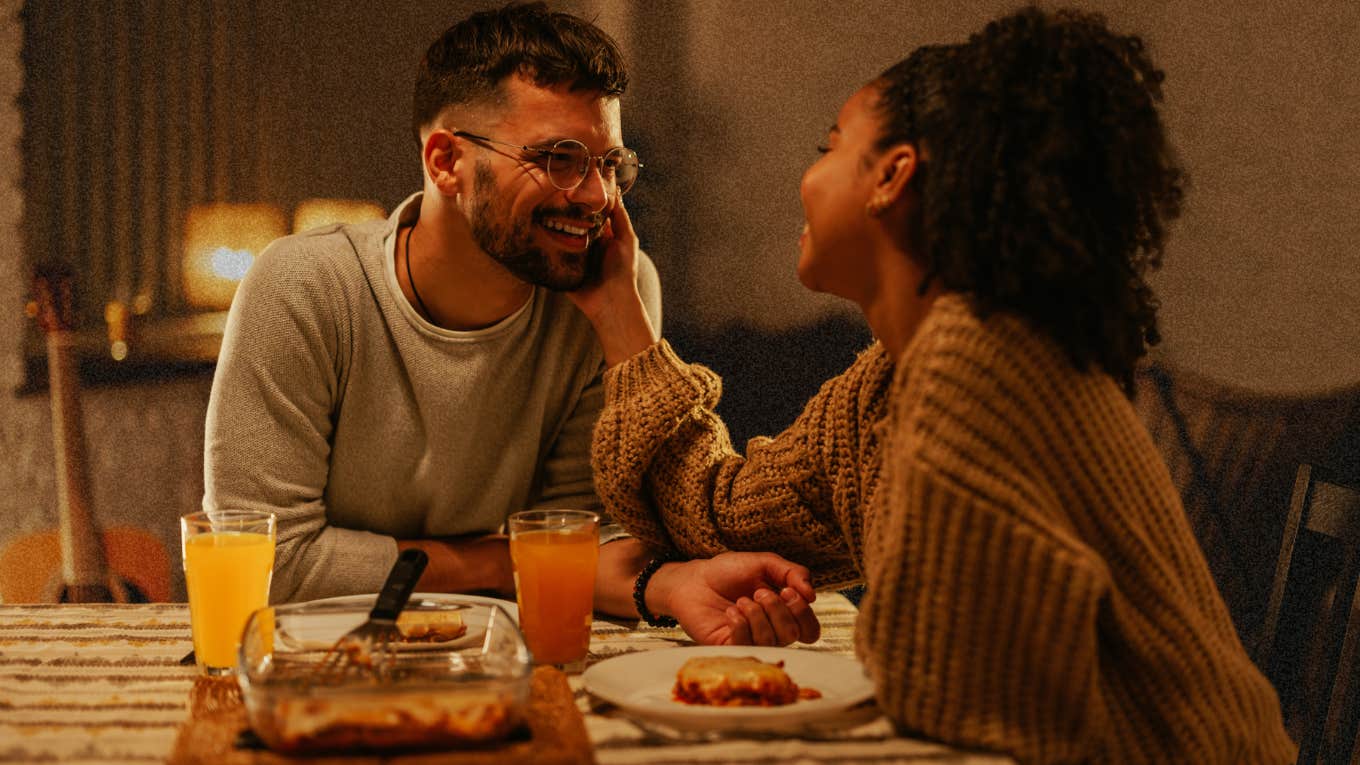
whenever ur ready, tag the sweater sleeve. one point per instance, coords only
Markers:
(665, 468)
(268, 427)
(978, 628)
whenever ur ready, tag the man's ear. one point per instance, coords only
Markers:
(440, 157)
(895, 170)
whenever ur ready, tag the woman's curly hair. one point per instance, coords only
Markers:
(1047, 181)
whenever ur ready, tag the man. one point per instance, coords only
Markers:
(411, 382)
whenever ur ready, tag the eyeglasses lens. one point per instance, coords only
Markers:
(569, 163)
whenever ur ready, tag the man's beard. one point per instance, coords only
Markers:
(509, 242)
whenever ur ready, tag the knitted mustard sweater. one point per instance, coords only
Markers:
(1033, 585)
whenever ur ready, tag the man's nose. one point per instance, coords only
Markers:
(592, 192)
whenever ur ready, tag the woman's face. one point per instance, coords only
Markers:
(836, 255)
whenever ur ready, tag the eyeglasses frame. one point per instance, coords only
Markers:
(592, 160)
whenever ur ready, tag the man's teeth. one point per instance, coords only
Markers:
(564, 228)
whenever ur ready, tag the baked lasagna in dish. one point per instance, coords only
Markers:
(737, 681)
(393, 720)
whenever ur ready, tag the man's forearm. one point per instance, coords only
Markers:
(465, 564)
(620, 562)
(483, 564)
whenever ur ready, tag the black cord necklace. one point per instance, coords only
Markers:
(411, 280)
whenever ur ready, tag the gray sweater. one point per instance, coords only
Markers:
(337, 407)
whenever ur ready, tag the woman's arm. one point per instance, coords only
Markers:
(978, 628)
(666, 469)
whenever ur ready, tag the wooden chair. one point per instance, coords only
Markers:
(1310, 640)
(1233, 454)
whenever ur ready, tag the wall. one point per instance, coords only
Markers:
(727, 104)
(1261, 283)
(1262, 99)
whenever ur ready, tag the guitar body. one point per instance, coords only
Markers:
(31, 569)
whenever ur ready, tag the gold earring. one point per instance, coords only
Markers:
(876, 206)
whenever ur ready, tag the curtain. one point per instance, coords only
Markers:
(133, 112)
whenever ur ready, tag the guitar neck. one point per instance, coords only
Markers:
(84, 568)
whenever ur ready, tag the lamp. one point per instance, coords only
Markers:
(311, 213)
(221, 240)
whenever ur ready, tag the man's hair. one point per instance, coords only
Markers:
(469, 62)
(1047, 180)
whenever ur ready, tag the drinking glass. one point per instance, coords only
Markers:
(555, 554)
(228, 562)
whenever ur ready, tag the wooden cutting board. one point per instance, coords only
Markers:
(217, 717)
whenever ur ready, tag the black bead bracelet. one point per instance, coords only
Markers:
(640, 594)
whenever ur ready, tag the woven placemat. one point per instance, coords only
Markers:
(557, 732)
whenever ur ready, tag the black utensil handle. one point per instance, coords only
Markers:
(401, 582)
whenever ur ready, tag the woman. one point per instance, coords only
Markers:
(1033, 585)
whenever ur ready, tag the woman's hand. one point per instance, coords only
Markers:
(612, 303)
(737, 598)
(617, 280)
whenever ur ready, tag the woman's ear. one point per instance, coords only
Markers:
(895, 170)
(440, 156)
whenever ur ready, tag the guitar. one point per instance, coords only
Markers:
(84, 552)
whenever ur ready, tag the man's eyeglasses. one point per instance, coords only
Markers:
(568, 161)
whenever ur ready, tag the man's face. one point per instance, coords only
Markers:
(540, 233)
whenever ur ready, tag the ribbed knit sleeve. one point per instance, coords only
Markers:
(981, 630)
(665, 466)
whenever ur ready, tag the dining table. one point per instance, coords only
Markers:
(106, 683)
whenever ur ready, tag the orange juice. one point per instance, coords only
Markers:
(555, 582)
(227, 574)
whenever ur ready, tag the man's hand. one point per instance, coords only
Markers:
(737, 598)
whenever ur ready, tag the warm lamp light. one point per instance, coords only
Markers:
(220, 242)
(311, 213)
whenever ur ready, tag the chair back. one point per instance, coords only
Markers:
(1233, 454)
(1310, 638)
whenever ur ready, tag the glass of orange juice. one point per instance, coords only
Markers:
(228, 562)
(555, 554)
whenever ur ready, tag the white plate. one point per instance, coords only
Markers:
(640, 684)
(369, 600)
(322, 633)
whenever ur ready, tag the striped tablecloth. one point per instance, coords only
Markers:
(85, 684)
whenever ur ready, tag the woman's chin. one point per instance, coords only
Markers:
(812, 273)
(836, 287)
(805, 274)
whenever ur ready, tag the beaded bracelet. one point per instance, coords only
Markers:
(640, 594)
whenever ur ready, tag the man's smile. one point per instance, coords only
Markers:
(570, 233)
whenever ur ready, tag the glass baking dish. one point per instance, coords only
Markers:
(443, 691)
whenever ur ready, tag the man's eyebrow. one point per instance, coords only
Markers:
(546, 144)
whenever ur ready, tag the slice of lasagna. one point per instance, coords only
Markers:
(737, 681)
(430, 626)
